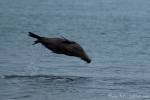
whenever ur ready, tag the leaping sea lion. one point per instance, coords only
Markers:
(62, 46)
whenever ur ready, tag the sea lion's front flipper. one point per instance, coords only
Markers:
(61, 52)
(67, 41)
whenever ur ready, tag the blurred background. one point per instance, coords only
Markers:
(114, 33)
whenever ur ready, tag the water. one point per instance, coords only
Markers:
(114, 33)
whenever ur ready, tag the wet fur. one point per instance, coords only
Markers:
(62, 46)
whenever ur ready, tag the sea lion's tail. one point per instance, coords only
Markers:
(35, 36)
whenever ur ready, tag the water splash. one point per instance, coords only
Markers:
(36, 55)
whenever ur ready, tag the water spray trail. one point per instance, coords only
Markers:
(36, 55)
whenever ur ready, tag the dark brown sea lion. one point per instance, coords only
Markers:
(62, 46)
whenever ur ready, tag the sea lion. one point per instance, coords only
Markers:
(62, 46)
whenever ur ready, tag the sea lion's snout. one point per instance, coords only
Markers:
(86, 58)
(89, 60)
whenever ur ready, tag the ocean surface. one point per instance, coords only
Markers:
(114, 33)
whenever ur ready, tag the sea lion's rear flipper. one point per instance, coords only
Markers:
(34, 35)
(35, 42)
(67, 41)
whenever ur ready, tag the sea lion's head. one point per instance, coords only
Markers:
(76, 50)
